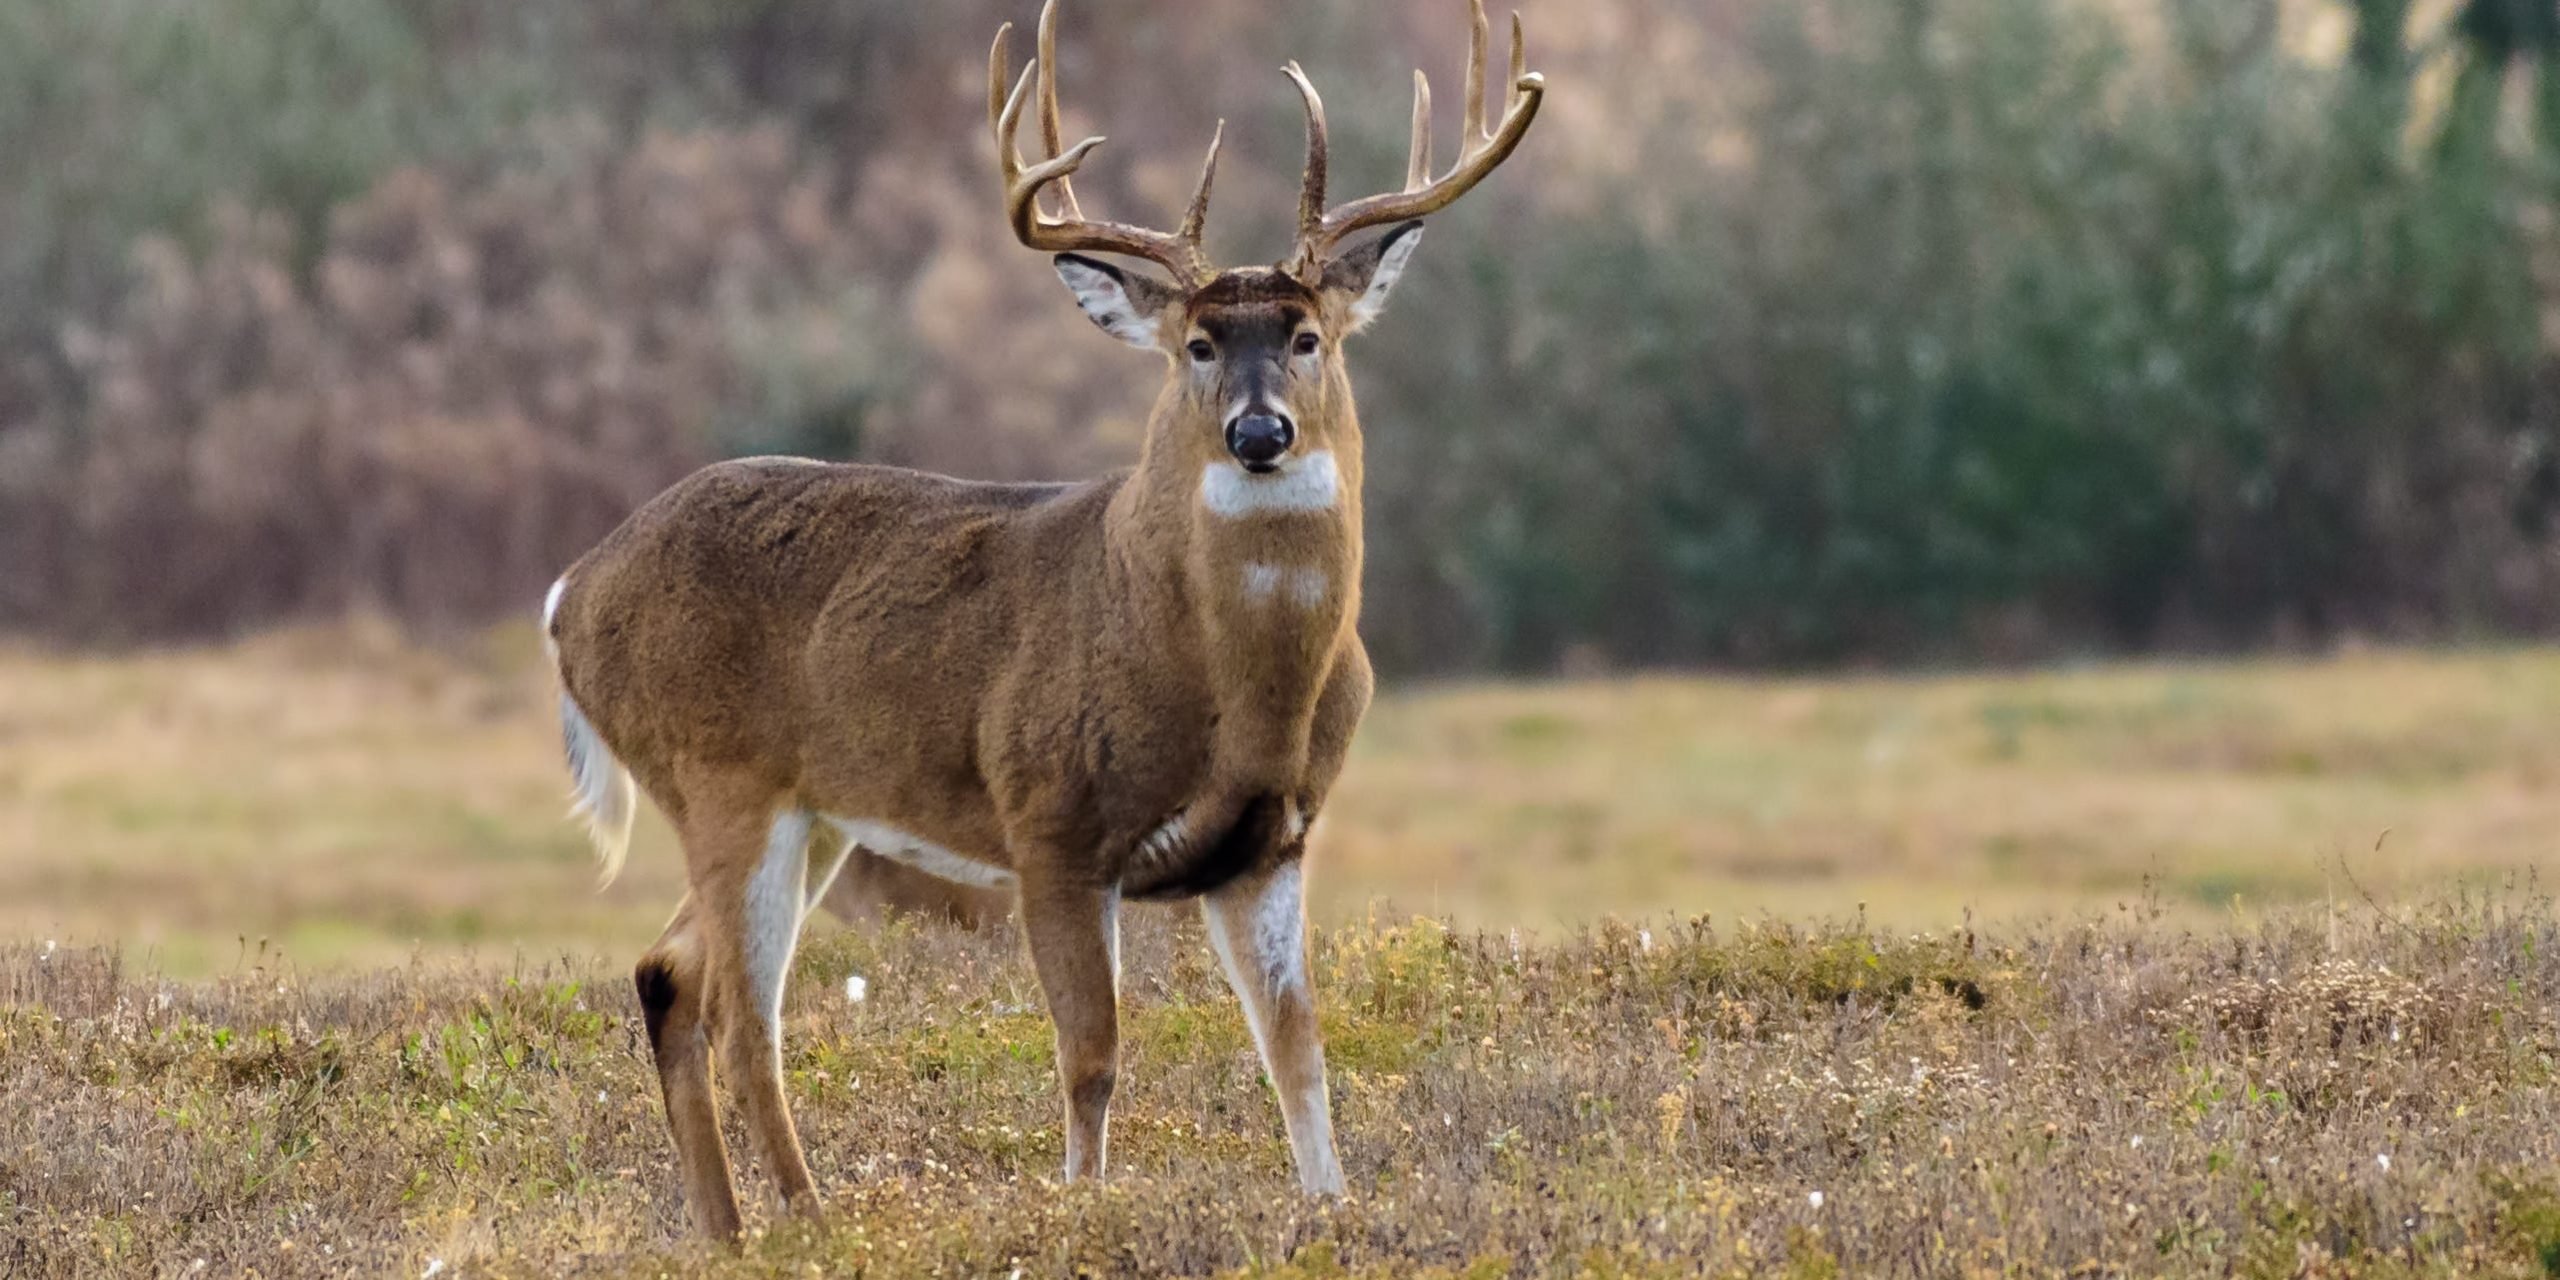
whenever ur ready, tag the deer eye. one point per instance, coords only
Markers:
(1308, 342)
(1202, 351)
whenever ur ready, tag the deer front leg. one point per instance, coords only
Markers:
(1258, 925)
(1073, 931)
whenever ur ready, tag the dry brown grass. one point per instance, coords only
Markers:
(352, 799)
(2167, 1088)
(2069, 1099)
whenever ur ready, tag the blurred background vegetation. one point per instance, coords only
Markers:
(1802, 331)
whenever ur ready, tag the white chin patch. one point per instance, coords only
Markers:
(1307, 483)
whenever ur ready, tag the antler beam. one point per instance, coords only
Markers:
(1480, 151)
(1178, 252)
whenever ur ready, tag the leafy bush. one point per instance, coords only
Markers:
(1999, 335)
(1801, 331)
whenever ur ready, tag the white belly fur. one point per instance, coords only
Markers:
(914, 851)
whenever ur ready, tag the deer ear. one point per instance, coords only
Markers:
(1366, 275)
(1128, 307)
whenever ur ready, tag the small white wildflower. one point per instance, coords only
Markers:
(1814, 1199)
(599, 1095)
(435, 1267)
(2383, 1159)
(1644, 939)
(1448, 1120)
(2395, 1033)
(2137, 1142)
(856, 988)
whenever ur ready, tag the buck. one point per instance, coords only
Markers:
(1137, 687)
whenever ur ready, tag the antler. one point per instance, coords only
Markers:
(1178, 252)
(1479, 153)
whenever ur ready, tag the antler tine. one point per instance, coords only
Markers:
(1519, 60)
(1472, 134)
(1480, 152)
(1417, 161)
(1179, 254)
(1195, 220)
(1311, 184)
(999, 71)
(1009, 126)
(1049, 131)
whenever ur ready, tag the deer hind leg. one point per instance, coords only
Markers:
(1073, 932)
(762, 893)
(747, 856)
(674, 1001)
(1258, 926)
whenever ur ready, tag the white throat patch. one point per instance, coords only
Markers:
(1309, 483)
(1307, 588)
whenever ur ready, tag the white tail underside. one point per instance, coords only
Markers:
(601, 791)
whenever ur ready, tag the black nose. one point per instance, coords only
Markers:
(1258, 439)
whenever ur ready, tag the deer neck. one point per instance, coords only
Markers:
(1258, 576)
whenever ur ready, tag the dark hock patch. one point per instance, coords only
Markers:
(657, 982)
(1094, 1091)
(1259, 832)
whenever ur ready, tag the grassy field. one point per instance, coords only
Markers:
(2312, 1095)
(345, 799)
(301, 973)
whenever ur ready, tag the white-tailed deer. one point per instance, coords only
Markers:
(1140, 686)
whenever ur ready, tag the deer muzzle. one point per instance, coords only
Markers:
(1259, 439)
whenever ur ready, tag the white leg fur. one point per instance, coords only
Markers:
(1259, 929)
(1111, 931)
(774, 906)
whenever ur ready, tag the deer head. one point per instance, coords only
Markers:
(1256, 373)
